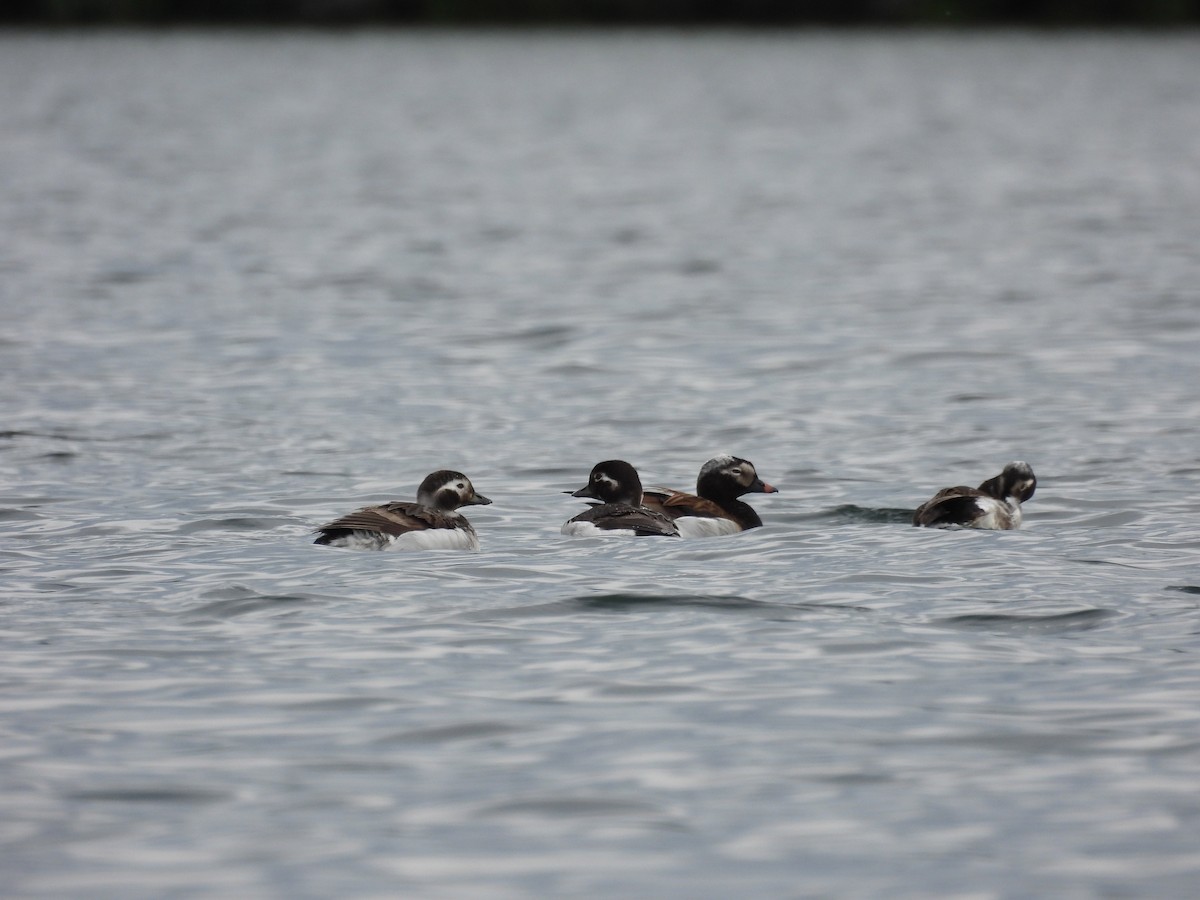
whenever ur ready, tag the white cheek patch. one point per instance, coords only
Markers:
(602, 478)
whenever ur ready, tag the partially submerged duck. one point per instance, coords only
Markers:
(995, 504)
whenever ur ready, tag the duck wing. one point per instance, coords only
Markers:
(624, 517)
(949, 506)
(676, 504)
(389, 518)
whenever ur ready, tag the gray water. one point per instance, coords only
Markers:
(252, 282)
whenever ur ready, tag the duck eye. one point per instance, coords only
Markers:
(461, 486)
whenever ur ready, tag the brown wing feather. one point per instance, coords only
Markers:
(390, 518)
(946, 505)
(677, 503)
(623, 517)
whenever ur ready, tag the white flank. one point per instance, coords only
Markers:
(997, 515)
(436, 539)
(429, 539)
(361, 540)
(705, 526)
(589, 529)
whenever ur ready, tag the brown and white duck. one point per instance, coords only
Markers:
(615, 483)
(715, 508)
(432, 523)
(995, 504)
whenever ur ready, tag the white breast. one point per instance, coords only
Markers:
(705, 526)
(436, 539)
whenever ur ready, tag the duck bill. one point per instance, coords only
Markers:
(763, 488)
(585, 491)
(478, 500)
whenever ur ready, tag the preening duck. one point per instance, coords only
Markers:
(995, 504)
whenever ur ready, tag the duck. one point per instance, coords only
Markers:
(616, 484)
(994, 505)
(433, 522)
(715, 508)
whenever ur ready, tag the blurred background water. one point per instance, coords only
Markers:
(250, 282)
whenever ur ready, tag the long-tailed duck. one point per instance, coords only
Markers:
(995, 504)
(715, 508)
(615, 483)
(432, 523)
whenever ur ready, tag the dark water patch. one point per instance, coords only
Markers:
(1102, 562)
(339, 704)
(9, 514)
(851, 779)
(128, 272)
(500, 233)
(570, 369)
(624, 602)
(1185, 588)
(352, 766)
(571, 807)
(545, 337)
(1070, 743)
(955, 357)
(849, 514)
(92, 575)
(233, 523)
(138, 655)
(869, 648)
(418, 289)
(646, 690)
(1077, 620)
(151, 795)
(349, 279)
(816, 364)
(631, 602)
(14, 433)
(1018, 743)
(18, 500)
(464, 731)
(59, 456)
(699, 266)
(238, 601)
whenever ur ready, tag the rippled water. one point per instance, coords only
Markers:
(250, 283)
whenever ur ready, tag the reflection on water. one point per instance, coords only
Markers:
(251, 282)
